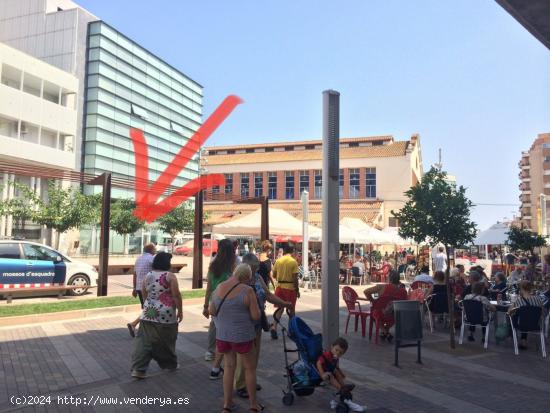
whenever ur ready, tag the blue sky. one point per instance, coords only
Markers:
(463, 74)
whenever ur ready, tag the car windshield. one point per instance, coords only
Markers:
(39, 252)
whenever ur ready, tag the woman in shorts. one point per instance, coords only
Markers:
(236, 311)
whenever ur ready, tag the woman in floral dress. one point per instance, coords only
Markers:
(158, 328)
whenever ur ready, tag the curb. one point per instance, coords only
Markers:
(76, 314)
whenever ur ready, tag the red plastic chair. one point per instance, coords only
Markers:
(381, 275)
(377, 316)
(354, 309)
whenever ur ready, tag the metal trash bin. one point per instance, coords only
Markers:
(408, 326)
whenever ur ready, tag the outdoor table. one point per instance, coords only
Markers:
(503, 307)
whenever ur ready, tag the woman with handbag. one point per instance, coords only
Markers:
(235, 310)
(262, 295)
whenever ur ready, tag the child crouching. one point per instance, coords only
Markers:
(330, 372)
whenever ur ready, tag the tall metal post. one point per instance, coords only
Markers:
(105, 180)
(265, 218)
(305, 236)
(197, 246)
(331, 216)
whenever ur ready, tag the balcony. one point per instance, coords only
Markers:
(524, 186)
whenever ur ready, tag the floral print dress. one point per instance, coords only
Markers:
(159, 307)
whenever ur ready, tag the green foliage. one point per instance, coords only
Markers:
(66, 208)
(23, 206)
(524, 240)
(123, 221)
(177, 220)
(437, 212)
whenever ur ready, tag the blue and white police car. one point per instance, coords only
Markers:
(25, 264)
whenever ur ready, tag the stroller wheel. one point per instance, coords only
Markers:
(288, 399)
(342, 408)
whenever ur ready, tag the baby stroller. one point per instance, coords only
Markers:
(302, 375)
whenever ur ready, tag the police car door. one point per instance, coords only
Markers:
(12, 267)
(43, 265)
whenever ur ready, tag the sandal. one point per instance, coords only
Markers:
(389, 337)
(260, 408)
(383, 336)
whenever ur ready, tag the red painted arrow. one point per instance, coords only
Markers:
(147, 208)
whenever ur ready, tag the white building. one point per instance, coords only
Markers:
(38, 123)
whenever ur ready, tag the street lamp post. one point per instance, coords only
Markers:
(198, 230)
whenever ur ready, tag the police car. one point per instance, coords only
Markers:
(25, 264)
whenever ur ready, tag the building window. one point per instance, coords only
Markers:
(318, 184)
(393, 222)
(269, 149)
(341, 187)
(547, 159)
(272, 185)
(353, 144)
(289, 148)
(370, 181)
(231, 151)
(8, 127)
(546, 145)
(245, 185)
(309, 147)
(258, 184)
(378, 143)
(139, 112)
(250, 150)
(215, 189)
(228, 183)
(354, 183)
(289, 185)
(304, 181)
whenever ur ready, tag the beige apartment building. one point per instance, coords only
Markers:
(374, 174)
(535, 181)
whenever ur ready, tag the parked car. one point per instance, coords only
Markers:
(26, 264)
(209, 246)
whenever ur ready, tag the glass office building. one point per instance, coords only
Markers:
(129, 87)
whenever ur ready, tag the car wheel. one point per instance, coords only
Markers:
(78, 280)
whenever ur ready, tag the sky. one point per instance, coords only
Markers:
(463, 74)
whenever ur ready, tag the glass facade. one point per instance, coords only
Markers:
(245, 185)
(318, 184)
(128, 87)
(228, 183)
(289, 185)
(304, 181)
(258, 184)
(370, 182)
(272, 185)
(354, 186)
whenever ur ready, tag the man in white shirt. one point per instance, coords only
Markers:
(440, 261)
(142, 267)
(359, 264)
(424, 276)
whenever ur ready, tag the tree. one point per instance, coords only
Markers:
(177, 220)
(23, 206)
(438, 212)
(524, 240)
(66, 208)
(123, 221)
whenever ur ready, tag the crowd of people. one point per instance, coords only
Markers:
(238, 288)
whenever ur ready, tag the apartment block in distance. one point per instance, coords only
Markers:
(375, 172)
(535, 181)
(38, 123)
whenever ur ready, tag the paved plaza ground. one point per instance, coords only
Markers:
(90, 359)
